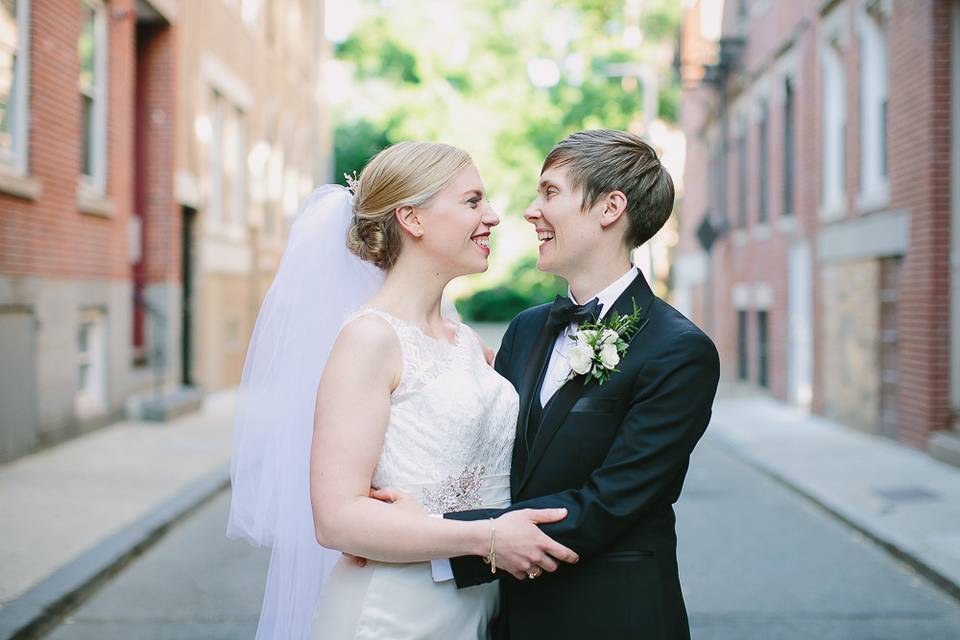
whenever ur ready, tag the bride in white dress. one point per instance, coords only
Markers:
(406, 399)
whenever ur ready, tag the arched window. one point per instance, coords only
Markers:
(834, 129)
(874, 72)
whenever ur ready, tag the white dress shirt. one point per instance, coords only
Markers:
(557, 371)
(559, 367)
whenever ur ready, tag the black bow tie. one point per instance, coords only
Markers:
(565, 311)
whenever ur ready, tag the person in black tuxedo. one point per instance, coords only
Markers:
(615, 454)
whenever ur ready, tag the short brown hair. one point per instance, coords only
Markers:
(600, 161)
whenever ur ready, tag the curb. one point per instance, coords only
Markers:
(46, 604)
(944, 582)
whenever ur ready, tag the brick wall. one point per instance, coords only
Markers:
(785, 38)
(50, 236)
(920, 181)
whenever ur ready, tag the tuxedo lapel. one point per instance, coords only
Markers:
(554, 414)
(529, 387)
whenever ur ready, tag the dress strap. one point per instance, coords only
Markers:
(371, 311)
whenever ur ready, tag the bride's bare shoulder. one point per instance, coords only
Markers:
(368, 332)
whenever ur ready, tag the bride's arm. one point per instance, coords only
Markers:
(352, 412)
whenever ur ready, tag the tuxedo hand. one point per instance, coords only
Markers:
(397, 498)
(521, 546)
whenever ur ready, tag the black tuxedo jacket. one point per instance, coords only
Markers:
(615, 455)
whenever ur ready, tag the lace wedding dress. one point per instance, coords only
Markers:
(448, 444)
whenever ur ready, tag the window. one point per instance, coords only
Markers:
(92, 51)
(743, 367)
(234, 166)
(762, 161)
(788, 147)
(270, 176)
(14, 53)
(91, 363)
(834, 127)
(742, 177)
(762, 347)
(874, 189)
(215, 203)
(227, 202)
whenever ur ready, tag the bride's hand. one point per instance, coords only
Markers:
(397, 498)
(521, 547)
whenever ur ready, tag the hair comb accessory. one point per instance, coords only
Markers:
(353, 183)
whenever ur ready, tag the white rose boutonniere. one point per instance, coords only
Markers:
(600, 346)
(609, 357)
(581, 358)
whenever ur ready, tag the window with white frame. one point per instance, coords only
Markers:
(215, 200)
(227, 202)
(234, 165)
(91, 362)
(874, 71)
(14, 67)
(789, 109)
(834, 127)
(272, 177)
(742, 176)
(92, 51)
(763, 128)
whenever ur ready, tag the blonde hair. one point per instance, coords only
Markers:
(405, 174)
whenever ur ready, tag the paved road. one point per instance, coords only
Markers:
(194, 584)
(758, 562)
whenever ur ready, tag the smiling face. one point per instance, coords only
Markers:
(567, 233)
(455, 225)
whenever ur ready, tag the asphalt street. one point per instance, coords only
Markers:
(757, 562)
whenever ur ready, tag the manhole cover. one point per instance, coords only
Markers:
(902, 495)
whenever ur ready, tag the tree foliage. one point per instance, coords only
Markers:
(463, 72)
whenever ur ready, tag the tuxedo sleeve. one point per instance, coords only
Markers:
(472, 570)
(502, 361)
(669, 412)
(671, 407)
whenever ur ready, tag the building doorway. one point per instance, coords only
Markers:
(188, 275)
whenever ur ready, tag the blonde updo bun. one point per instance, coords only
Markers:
(405, 174)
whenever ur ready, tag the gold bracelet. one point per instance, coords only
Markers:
(491, 558)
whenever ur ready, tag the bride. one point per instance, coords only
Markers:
(393, 394)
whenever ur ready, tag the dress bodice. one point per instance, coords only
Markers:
(449, 440)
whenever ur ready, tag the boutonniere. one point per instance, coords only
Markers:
(600, 346)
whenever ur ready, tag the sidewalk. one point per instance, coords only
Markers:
(71, 514)
(901, 498)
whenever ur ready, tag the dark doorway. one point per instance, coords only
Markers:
(890, 271)
(187, 265)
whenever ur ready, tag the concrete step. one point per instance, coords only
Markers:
(945, 446)
(165, 405)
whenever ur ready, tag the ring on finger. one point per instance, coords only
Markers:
(534, 574)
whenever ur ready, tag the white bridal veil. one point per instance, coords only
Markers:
(318, 283)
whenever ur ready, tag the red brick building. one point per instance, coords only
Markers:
(822, 156)
(152, 155)
(85, 224)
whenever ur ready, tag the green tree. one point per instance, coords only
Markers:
(462, 72)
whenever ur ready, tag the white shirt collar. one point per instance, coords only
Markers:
(613, 291)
